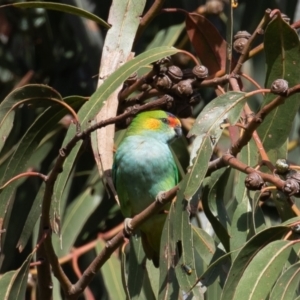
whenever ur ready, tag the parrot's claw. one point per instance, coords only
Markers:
(127, 226)
(160, 197)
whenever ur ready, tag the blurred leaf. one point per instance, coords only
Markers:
(13, 284)
(166, 36)
(263, 270)
(60, 7)
(77, 213)
(282, 57)
(245, 256)
(287, 284)
(96, 102)
(111, 274)
(208, 129)
(213, 204)
(56, 289)
(208, 43)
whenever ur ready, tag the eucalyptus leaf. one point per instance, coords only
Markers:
(207, 130)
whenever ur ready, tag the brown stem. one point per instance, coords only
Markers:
(232, 161)
(149, 16)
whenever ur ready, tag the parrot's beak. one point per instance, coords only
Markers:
(178, 131)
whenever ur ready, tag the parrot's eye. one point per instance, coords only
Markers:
(164, 120)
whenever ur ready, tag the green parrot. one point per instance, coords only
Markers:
(143, 167)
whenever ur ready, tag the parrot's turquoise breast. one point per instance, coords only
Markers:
(146, 167)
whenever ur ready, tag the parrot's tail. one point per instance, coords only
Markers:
(151, 253)
(151, 232)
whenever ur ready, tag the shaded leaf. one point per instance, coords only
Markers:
(213, 204)
(208, 129)
(60, 7)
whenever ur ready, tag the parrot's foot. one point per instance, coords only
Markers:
(161, 196)
(127, 226)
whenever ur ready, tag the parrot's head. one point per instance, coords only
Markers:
(158, 124)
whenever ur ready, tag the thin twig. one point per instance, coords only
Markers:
(244, 56)
(25, 174)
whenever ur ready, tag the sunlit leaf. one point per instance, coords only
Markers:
(208, 129)
(263, 270)
(287, 284)
(246, 255)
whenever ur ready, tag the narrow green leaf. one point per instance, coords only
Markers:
(13, 284)
(213, 204)
(260, 275)
(246, 255)
(5, 281)
(282, 57)
(208, 129)
(287, 284)
(111, 275)
(60, 7)
(167, 36)
(96, 102)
